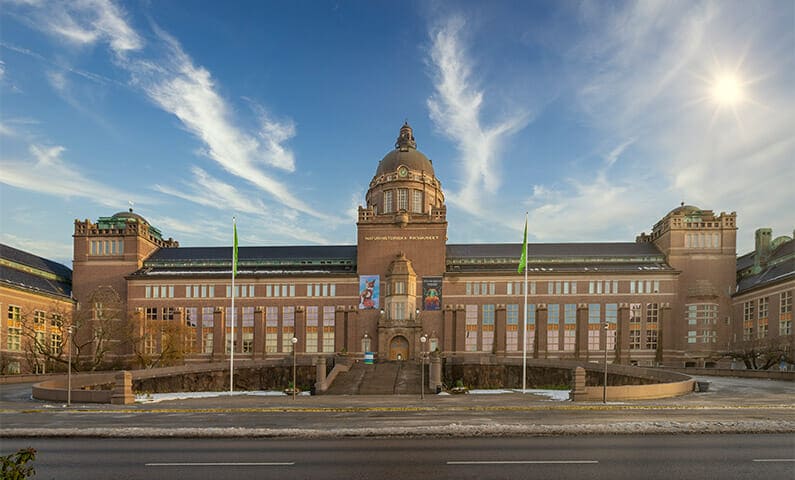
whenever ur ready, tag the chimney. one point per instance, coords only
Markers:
(763, 242)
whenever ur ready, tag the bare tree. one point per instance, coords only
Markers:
(761, 354)
(98, 328)
(44, 332)
(158, 342)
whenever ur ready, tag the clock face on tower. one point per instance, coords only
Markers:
(403, 171)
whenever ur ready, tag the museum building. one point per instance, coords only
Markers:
(667, 298)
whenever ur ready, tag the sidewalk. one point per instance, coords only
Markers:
(731, 405)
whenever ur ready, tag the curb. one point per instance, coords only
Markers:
(451, 430)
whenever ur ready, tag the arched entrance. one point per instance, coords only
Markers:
(398, 348)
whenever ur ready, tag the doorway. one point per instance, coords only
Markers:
(398, 348)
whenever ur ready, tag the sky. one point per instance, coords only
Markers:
(595, 117)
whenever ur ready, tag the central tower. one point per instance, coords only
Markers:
(402, 233)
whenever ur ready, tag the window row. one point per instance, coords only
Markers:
(702, 240)
(241, 291)
(106, 247)
(562, 287)
(14, 315)
(756, 316)
(402, 197)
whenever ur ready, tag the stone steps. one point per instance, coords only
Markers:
(385, 378)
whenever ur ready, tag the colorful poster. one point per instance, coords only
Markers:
(432, 293)
(369, 292)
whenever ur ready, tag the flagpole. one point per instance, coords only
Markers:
(524, 349)
(232, 340)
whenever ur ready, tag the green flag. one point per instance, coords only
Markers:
(523, 260)
(234, 253)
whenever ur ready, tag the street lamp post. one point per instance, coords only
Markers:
(294, 340)
(69, 369)
(604, 388)
(423, 339)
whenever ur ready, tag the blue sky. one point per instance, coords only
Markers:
(597, 118)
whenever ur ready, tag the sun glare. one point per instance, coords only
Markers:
(727, 90)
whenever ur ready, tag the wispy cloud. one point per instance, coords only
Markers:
(641, 65)
(47, 172)
(208, 191)
(456, 110)
(168, 76)
(85, 22)
(188, 91)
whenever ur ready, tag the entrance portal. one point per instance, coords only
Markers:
(398, 348)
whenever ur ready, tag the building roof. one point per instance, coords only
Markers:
(548, 257)
(24, 270)
(779, 267)
(280, 260)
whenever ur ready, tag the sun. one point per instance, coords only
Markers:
(727, 90)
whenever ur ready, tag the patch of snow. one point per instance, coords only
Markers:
(495, 391)
(162, 397)
(554, 395)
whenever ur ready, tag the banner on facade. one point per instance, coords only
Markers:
(369, 292)
(432, 293)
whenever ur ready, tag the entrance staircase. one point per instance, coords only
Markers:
(385, 378)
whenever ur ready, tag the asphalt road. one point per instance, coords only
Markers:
(727, 457)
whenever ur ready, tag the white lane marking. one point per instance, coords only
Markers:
(774, 460)
(222, 464)
(519, 462)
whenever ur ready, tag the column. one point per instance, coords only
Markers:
(448, 330)
(259, 332)
(219, 332)
(541, 331)
(339, 329)
(300, 328)
(499, 329)
(460, 329)
(622, 335)
(665, 323)
(581, 339)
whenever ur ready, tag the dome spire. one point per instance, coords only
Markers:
(406, 138)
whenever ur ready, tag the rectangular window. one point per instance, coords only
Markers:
(311, 328)
(635, 315)
(14, 334)
(388, 201)
(288, 328)
(511, 327)
(703, 317)
(785, 314)
(748, 319)
(594, 325)
(56, 342)
(553, 321)
(403, 199)
(207, 329)
(151, 313)
(271, 329)
(569, 327)
(168, 313)
(416, 202)
(652, 325)
(611, 317)
(487, 331)
(531, 327)
(328, 329)
(471, 328)
(762, 321)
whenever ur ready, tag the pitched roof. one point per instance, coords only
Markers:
(543, 257)
(24, 270)
(280, 260)
(778, 268)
